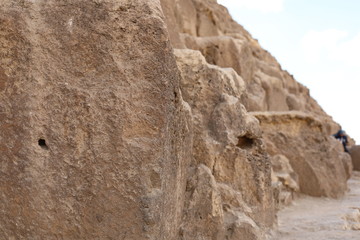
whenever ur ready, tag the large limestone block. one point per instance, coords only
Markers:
(225, 51)
(227, 139)
(214, 19)
(216, 211)
(355, 156)
(203, 214)
(266, 83)
(171, 22)
(91, 122)
(315, 157)
(187, 16)
(241, 226)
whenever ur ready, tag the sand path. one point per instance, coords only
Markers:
(311, 218)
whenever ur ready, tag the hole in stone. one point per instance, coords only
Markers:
(245, 142)
(175, 97)
(42, 143)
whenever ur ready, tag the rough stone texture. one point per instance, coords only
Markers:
(230, 193)
(284, 172)
(323, 168)
(352, 220)
(355, 156)
(170, 12)
(106, 133)
(207, 26)
(225, 43)
(285, 178)
(94, 143)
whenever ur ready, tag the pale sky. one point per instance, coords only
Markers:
(317, 41)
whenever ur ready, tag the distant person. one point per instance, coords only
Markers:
(341, 136)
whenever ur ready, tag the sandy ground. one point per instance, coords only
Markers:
(311, 218)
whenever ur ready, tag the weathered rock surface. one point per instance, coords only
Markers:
(207, 26)
(94, 143)
(323, 168)
(355, 157)
(285, 178)
(228, 147)
(352, 220)
(108, 133)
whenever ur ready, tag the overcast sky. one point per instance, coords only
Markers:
(317, 41)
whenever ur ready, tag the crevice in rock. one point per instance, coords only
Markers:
(42, 144)
(245, 142)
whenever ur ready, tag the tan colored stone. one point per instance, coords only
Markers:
(93, 133)
(322, 168)
(225, 43)
(355, 156)
(203, 215)
(352, 220)
(284, 172)
(170, 17)
(227, 139)
(241, 226)
(284, 177)
(108, 133)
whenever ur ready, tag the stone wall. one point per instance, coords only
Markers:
(94, 139)
(108, 132)
(229, 190)
(319, 161)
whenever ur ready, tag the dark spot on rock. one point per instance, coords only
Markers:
(245, 142)
(42, 144)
